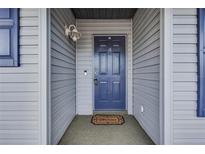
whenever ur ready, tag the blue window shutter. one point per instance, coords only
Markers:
(201, 63)
(9, 28)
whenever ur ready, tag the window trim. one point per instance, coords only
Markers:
(13, 60)
(201, 63)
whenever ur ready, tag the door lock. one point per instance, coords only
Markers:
(96, 81)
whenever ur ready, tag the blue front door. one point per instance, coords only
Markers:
(109, 77)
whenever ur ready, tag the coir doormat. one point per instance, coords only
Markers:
(102, 119)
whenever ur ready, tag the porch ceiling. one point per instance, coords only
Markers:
(104, 13)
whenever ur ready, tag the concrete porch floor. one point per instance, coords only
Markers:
(83, 132)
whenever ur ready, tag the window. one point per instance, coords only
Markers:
(9, 37)
(201, 63)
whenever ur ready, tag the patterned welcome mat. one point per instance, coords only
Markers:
(103, 119)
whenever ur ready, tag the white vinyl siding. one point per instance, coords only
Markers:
(19, 87)
(146, 63)
(63, 74)
(85, 59)
(187, 127)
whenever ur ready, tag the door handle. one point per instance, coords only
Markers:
(96, 81)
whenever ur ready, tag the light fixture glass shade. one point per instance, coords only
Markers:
(67, 31)
(75, 35)
(74, 38)
(72, 32)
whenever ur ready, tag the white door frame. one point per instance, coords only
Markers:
(166, 75)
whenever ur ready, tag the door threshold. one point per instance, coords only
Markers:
(121, 112)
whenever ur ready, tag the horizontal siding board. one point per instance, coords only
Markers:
(147, 42)
(19, 96)
(185, 105)
(62, 96)
(62, 37)
(149, 30)
(29, 40)
(19, 125)
(63, 50)
(61, 90)
(19, 141)
(18, 134)
(145, 19)
(191, 124)
(184, 12)
(189, 96)
(151, 69)
(147, 76)
(184, 77)
(150, 92)
(151, 84)
(185, 67)
(154, 45)
(183, 58)
(29, 50)
(63, 74)
(19, 87)
(185, 29)
(29, 59)
(185, 39)
(149, 55)
(185, 86)
(58, 62)
(61, 113)
(146, 62)
(25, 68)
(29, 31)
(64, 44)
(62, 102)
(149, 111)
(19, 116)
(189, 141)
(28, 12)
(185, 20)
(190, 133)
(30, 77)
(19, 106)
(63, 57)
(29, 22)
(185, 48)
(187, 127)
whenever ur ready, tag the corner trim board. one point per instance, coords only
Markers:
(166, 76)
(43, 75)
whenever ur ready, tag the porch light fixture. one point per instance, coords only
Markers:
(72, 32)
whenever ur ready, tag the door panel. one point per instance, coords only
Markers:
(103, 90)
(116, 63)
(103, 62)
(116, 91)
(109, 72)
